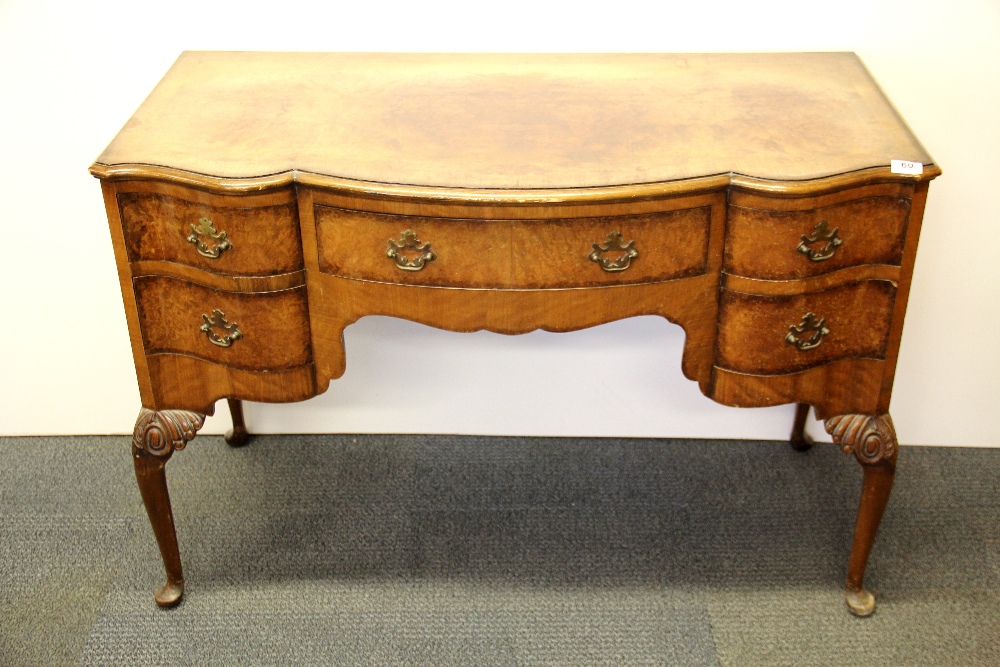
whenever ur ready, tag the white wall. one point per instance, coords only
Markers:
(71, 73)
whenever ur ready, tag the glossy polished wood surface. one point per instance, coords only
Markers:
(504, 254)
(525, 121)
(763, 234)
(260, 233)
(273, 326)
(260, 203)
(753, 328)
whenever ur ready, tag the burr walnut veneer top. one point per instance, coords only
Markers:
(521, 121)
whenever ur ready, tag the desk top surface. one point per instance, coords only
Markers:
(523, 121)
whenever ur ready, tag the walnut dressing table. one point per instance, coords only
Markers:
(259, 203)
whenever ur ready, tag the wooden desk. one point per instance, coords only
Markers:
(260, 203)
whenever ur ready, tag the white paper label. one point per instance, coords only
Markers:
(906, 167)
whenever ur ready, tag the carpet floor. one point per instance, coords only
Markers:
(433, 550)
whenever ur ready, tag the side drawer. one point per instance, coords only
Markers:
(788, 239)
(515, 254)
(249, 235)
(771, 335)
(180, 317)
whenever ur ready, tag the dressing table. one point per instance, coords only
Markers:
(769, 204)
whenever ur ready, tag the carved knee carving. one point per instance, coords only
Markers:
(873, 442)
(160, 433)
(870, 439)
(157, 435)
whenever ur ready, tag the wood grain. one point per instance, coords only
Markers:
(752, 328)
(469, 253)
(154, 439)
(546, 253)
(516, 120)
(872, 440)
(762, 242)
(632, 192)
(689, 303)
(839, 387)
(263, 230)
(274, 325)
(109, 191)
(902, 295)
(272, 283)
(512, 167)
(189, 383)
(851, 274)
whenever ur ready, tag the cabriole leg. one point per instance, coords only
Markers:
(156, 436)
(800, 441)
(872, 440)
(239, 436)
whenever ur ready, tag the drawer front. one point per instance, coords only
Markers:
(251, 331)
(519, 254)
(449, 252)
(770, 335)
(591, 252)
(775, 244)
(215, 233)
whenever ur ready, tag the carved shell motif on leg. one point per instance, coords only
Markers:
(160, 433)
(871, 439)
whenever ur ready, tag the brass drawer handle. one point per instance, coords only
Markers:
(207, 241)
(623, 253)
(808, 334)
(230, 332)
(821, 234)
(408, 241)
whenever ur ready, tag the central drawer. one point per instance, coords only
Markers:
(513, 254)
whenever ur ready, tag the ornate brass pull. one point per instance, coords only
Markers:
(821, 234)
(206, 240)
(808, 334)
(624, 253)
(230, 332)
(408, 241)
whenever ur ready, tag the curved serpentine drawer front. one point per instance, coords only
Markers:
(256, 235)
(266, 331)
(514, 254)
(772, 335)
(787, 239)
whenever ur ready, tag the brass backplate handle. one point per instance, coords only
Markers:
(621, 253)
(826, 241)
(409, 253)
(229, 332)
(209, 242)
(809, 333)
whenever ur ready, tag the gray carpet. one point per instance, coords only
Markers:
(419, 550)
